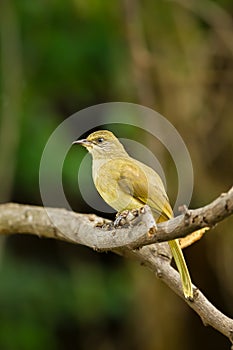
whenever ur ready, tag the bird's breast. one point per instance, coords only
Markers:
(107, 178)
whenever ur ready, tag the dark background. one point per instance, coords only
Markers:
(58, 57)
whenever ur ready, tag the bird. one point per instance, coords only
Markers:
(125, 183)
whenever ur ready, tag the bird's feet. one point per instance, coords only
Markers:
(125, 217)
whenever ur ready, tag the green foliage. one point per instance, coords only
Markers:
(36, 299)
(58, 57)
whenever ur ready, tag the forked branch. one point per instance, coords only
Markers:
(139, 231)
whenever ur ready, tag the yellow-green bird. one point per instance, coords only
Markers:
(126, 184)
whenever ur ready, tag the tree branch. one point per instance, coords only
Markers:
(159, 263)
(98, 233)
(87, 229)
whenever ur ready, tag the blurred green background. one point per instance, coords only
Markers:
(58, 57)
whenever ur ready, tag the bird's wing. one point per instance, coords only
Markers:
(145, 185)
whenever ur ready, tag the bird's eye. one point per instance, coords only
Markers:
(100, 140)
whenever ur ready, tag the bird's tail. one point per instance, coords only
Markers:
(182, 268)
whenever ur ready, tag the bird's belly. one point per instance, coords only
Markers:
(109, 189)
(116, 198)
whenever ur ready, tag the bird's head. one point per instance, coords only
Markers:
(103, 144)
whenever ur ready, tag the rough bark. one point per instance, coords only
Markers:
(139, 231)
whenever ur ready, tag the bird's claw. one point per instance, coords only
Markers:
(125, 217)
